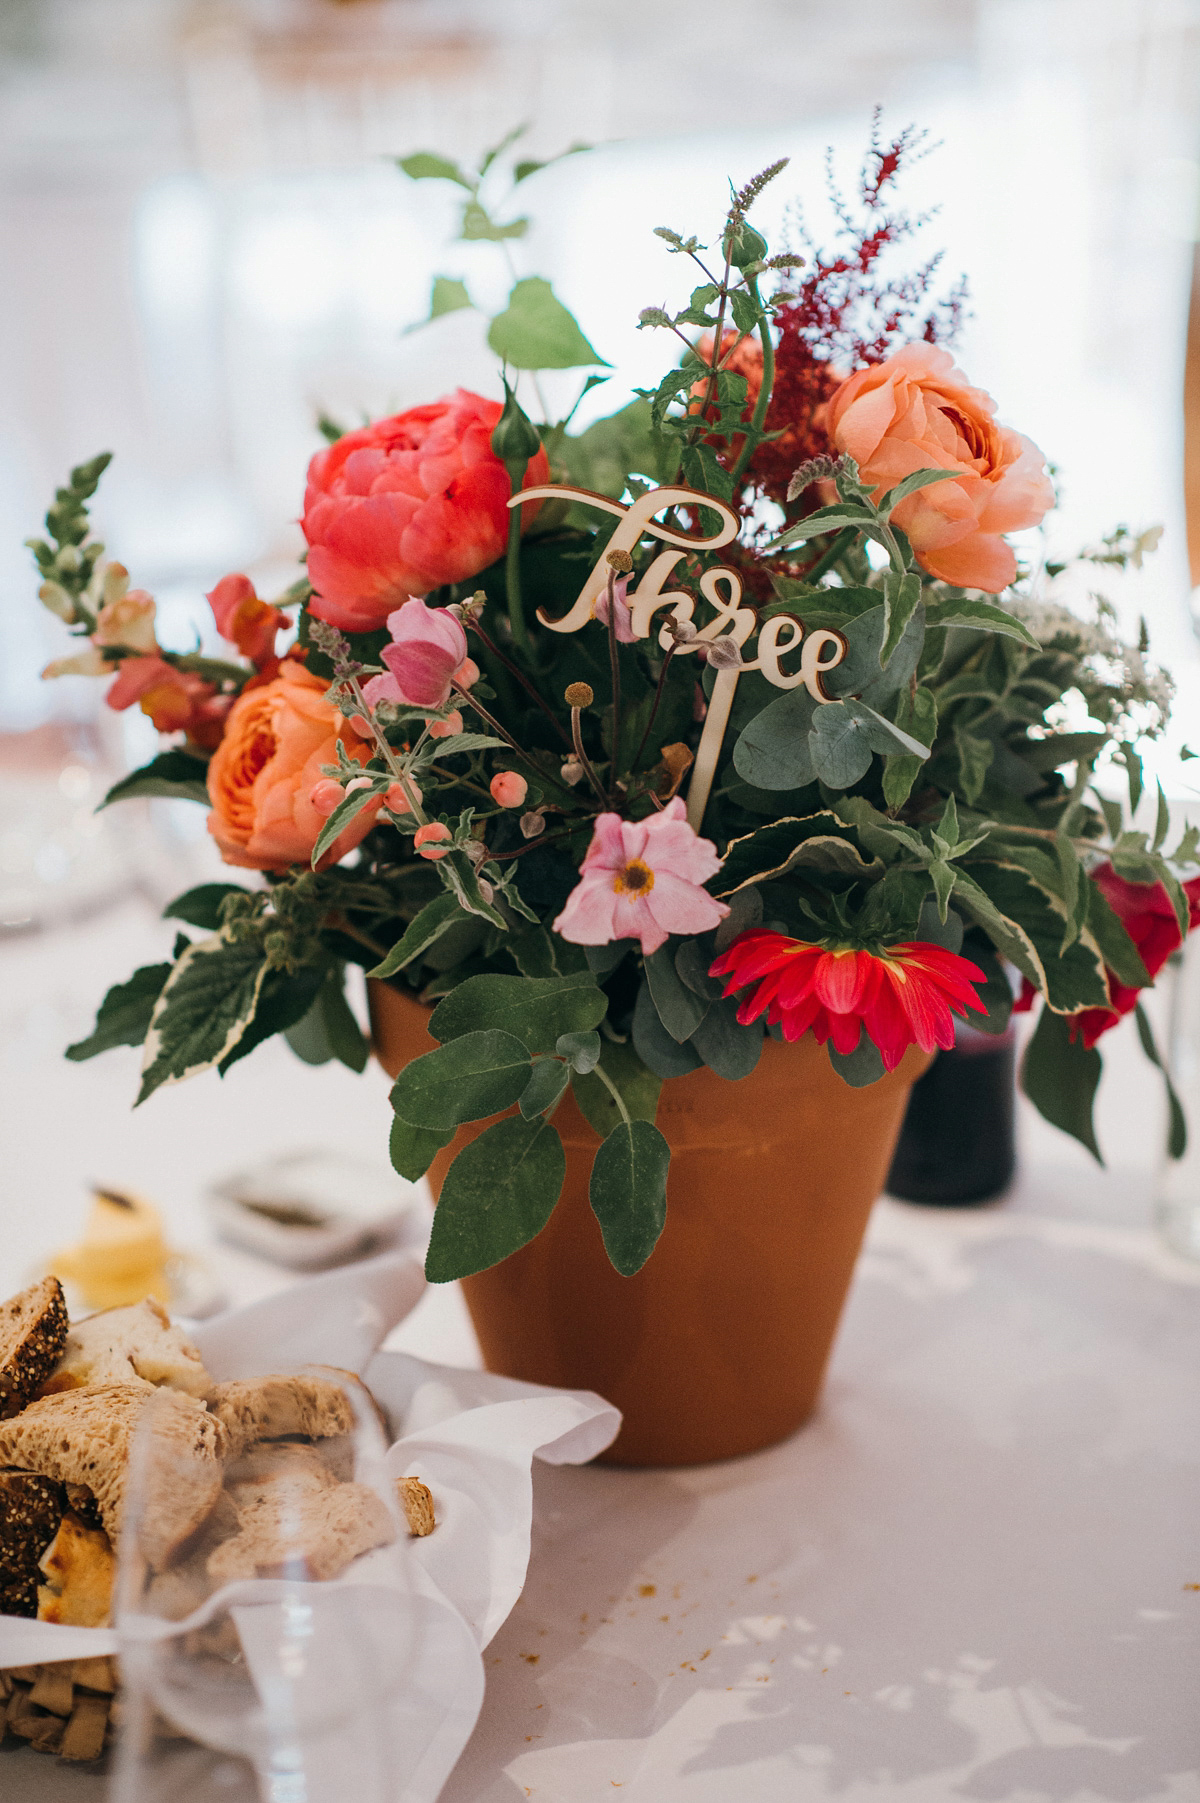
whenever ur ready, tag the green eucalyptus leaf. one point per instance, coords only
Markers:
(680, 1009)
(581, 1050)
(467, 1079)
(861, 1067)
(498, 1195)
(536, 331)
(772, 751)
(841, 755)
(918, 715)
(535, 1010)
(881, 734)
(544, 1090)
(654, 1045)
(692, 961)
(628, 1193)
(426, 165)
(726, 1046)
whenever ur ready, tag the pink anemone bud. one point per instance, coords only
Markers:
(625, 632)
(508, 790)
(397, 797)
(325, 796)
(447, 728)
(430, 839)
(428, 646)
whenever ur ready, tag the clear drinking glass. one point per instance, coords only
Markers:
(1178, 1196)
(262, 1642)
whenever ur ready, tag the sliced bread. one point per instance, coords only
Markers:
(309, 1529)
(79, 1570)
(269, 1408)
(33, 1331)
(86, 1437)
(31, 1508)
(125, 1345)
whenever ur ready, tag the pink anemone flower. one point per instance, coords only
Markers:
(427, 649)
(643, 880)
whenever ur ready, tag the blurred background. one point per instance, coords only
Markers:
(205, 241)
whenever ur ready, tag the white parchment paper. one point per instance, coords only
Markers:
(470, 1436)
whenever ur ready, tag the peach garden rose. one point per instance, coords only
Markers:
(916, 411)
(263, 773)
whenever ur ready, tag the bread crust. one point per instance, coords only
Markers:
(33, 1332)
(269, 1408)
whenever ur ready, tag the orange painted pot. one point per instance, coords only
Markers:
(718, 1345)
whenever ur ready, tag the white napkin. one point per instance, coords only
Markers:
(468, 1435)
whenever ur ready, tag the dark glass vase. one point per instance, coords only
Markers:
(956, 1146)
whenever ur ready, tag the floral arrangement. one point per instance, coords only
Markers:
(438, 783)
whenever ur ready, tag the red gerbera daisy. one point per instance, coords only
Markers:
(904, 995)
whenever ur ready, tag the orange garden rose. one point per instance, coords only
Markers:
(262, 775)
(917, 411)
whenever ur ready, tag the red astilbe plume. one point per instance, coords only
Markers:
(903, 995)
(847, 312)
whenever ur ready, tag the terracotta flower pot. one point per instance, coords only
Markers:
(718, 1345)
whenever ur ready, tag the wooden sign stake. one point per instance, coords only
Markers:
(719, 585)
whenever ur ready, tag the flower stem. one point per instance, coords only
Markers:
(512, 584)
(584, 759)
(599, 1071)
(758, 417)
(396, 765)
(658, 695)
(541, 775)
(524, 681)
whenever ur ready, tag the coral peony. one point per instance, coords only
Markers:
(642, 880)
(405, 505)
(428, 648)
(917, 411)
(263, 774)
(903, 995)
(1145, 911)
(245, 620)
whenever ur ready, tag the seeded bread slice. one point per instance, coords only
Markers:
(31, 1509)
(86, 1437)
(268, 1408)
(33, 1331)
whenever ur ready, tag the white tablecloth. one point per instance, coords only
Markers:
(973, 1575)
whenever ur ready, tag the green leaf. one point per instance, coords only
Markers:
(815, 525)
(1060, 1077)
(692, 961)
(909, 486)
(510, 137)
(1133, 766)
(861, 1067)
(901, 599)
(534, 1009)
(727, 1047)
(478, 1074)
(448, 295)
(348, 809)
(995, 993)
(543, 954)
(771, 851)
(679, 1008)
(611, 450)
(329, 1030)
(545, 1087)
(177, 775)
(207, 1003)
(498, 1195)
(654, 1045)
(581, 1050)
(536, 331)
(1177, 1130)
(638, 1086)
(772, 751)
(124, 1015)
(420, 934)
(1163, 822)
(880, 733)
(413, 1149)
(919, 712)
(1108, 930)
(974, 761)
(1074, 978)
(838, 744)
(461, 879)
(1074, 888)
(982, 616)
(283, 1002)
(201, 907)
(426, 165)
(628, 1193)
(859, 672)
(478, 224)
